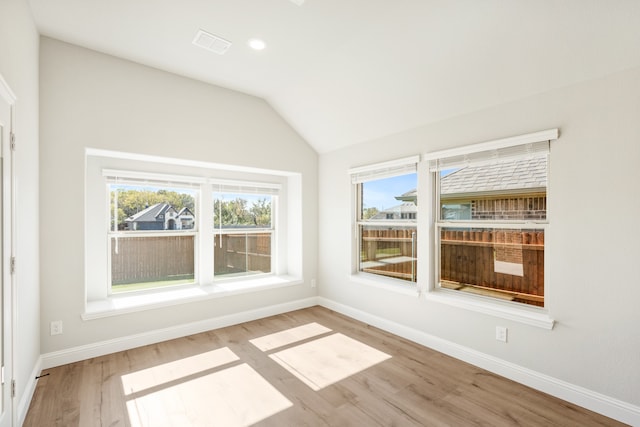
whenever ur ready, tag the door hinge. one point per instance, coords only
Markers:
(13, 141)
(13, 388)
(12, 265)
(2, 375)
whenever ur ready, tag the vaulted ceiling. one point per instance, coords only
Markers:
(346, 71)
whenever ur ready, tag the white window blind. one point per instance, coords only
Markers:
(384, 170)
(245, 187)
(148, 178)
(523, 146)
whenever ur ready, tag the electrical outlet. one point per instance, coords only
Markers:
(56, 327)
(313, 283)
(501, 333)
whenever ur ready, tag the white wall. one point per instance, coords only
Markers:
(19, 66)
(592, 245)
(89, 99)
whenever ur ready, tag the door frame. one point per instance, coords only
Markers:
(8, 296)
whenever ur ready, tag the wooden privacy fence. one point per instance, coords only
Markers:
(242, 253)
(143, 259)
(504, 263)
(151, 259)
(389, 252)
(508, 264)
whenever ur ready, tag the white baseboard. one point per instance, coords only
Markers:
(76, 354)
(605, 405)
(27, 395)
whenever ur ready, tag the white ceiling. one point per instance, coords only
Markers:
(347, 71)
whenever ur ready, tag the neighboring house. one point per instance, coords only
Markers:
(161, 216)
(406, 210)
(507, 190)
(512, 190)
(187, 218)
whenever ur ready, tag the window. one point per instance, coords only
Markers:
(385, 220)
(492, 218)
(152, 235)
(453, 211)
(243, 230)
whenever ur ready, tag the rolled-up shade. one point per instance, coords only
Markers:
(152, 179)
(245, 187)
(384, 170)
(523, 146)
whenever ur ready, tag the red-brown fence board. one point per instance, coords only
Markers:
(468, 258)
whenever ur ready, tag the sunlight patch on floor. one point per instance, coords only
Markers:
(167, 372)
(234, 397)
(327, 360)
(289, 336)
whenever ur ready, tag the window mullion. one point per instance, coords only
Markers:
(492, 224)
(204, 259)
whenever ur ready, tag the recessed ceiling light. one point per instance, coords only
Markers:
(257, 44)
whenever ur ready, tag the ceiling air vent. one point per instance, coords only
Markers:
(210, 42)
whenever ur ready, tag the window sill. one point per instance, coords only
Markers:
(527, 315)
(116, 305)
(393, 285)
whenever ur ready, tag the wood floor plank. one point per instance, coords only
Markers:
(220, 378)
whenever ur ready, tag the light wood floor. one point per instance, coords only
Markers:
(347, 374)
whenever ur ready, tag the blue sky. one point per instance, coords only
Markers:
(381, 193)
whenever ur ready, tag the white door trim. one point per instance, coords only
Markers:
(8, 299)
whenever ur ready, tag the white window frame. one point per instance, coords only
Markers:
(242, 187)
(286, 221)
(482, 153)
(359, 175)
(155, 180)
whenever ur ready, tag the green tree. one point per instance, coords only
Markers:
(368, 213)
(236, 212)
(261, 213)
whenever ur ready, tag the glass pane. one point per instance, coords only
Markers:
(238, 210)
(507, 264)
(505, 190)
(241, 254)
(392, 198)
(456, 211)
(237, 253)
(143, 262)
(389, 251)
(151, 208)
(139, 262)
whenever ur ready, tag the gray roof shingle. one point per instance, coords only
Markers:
(525, 174)
(150, 214)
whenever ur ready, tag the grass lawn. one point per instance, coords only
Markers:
(383, 253)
